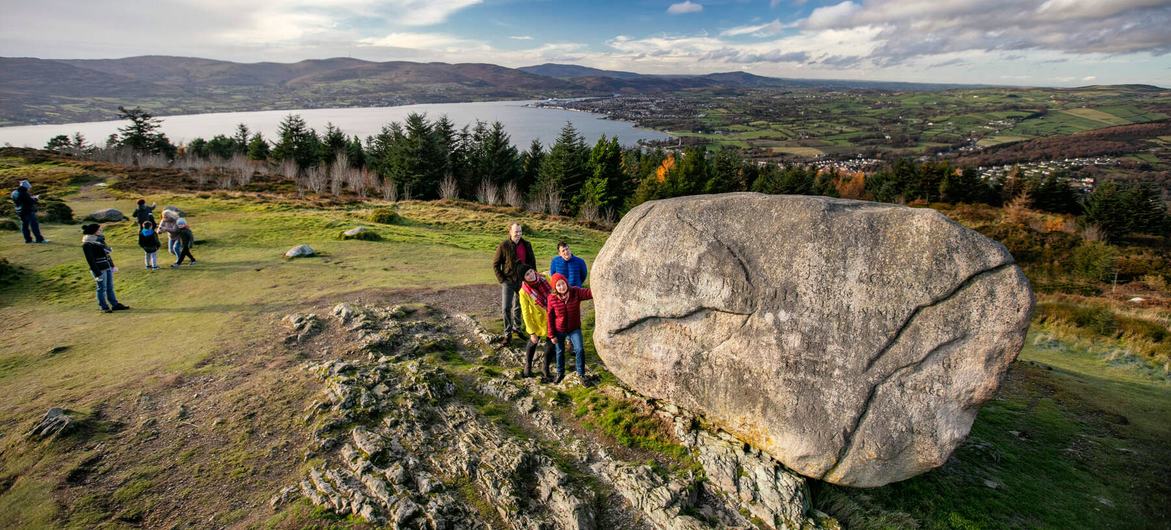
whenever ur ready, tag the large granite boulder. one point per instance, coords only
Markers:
(853, 341)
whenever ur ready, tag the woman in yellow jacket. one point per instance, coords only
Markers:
(533, 311)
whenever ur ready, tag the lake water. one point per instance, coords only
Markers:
(523, 123)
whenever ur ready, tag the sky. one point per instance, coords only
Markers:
(1001, 42)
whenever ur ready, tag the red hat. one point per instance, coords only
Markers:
(556, 278)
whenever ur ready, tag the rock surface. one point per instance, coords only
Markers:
(109, 215)
(361, 233)
(400, 438)
(54, 422)
(852, 341)
(300, 251)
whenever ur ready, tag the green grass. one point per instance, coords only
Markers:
(1068, 442)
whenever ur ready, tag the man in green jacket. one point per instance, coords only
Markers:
(510, 255)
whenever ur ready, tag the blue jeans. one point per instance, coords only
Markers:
(578, 351)
(106, 289)
(30, 227)
(173, 246)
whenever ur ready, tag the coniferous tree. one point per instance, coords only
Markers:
(565, 168)
(142, 133)
(297, 142)
(601, 187)
(241, 138)
(727, 172)
(499, 160)
(355, 153)
(221, 146)
(530, 166)
(258, 148)
(333, 141)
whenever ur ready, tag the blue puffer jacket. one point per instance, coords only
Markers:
(574, 270)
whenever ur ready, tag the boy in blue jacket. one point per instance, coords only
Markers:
(566, 264)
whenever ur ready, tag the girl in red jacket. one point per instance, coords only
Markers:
(565, 322)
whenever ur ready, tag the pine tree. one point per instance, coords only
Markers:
(355, 153)
(605, 182)
(241, 139)
(257, 148)
(565, 168)
(499, 160)
(142, 134)
(297, 142)
(530, 166)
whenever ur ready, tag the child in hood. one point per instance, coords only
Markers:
(532, 308)
(101, 266)
(564, 322)
(148, 239)
(186, 239)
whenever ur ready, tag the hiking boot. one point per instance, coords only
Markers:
(107, 310)
(560, 376)
(120, 307)
(43, 241)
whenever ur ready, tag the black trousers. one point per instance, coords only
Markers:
(532, 350)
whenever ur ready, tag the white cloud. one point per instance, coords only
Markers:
(421, 41)
(682, 8)
(521, 37)
(756, 30)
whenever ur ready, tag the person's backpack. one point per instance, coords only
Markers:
(16, 201)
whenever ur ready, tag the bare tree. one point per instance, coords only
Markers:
(389, 190)
(512, 195)
(488, 193)
(589, 213)
(339, 173)
(318, 178)
(289, 169)
(552, 199)
(448, 188)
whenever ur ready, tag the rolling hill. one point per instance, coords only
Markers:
(59, 91)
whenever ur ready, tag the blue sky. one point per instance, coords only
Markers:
(1020, 42)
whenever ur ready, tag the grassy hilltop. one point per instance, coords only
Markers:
(192, 405)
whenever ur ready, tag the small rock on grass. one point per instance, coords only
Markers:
(300, 251)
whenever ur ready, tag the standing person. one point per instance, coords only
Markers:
(168, 227)
(186, 239)
(568, 265)
(144, 213)
(510, 255)
(532, 306)
(148, 239)
(26, 209)
(101, 265)
(564, 310)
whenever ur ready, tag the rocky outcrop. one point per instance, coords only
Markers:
(55, 421)
(851, 341)
(401, 439)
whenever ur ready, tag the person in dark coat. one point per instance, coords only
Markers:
(148, 239)
(186, 239)
(144, 213)
(510, 255)
(26, 209)
(101, 266)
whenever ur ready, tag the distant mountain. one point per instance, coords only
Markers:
(58, 91)
(571, 71)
